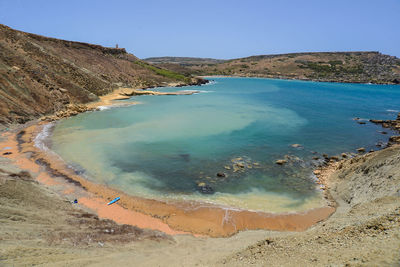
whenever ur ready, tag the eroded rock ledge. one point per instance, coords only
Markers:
(391, 124)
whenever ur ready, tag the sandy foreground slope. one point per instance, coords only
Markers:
(38, 226)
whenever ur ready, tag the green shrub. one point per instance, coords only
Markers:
(163, 72)
(335, 62)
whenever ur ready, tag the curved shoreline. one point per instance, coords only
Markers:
(207, 220)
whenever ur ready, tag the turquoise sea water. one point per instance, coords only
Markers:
(165, 146)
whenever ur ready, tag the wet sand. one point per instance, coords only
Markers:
(171, 218)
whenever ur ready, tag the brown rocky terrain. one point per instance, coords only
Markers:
(364, 231)
(41, 75)
(38, 226)
(354, 67)
(391, 124)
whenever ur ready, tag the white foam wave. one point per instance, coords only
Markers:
(40, 139)
(210, 83)
(196, 91)
(103, 107)
(393, 110)
(120, 105)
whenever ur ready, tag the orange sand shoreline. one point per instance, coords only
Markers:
(153, 214)
(116, 213)
(170, 218)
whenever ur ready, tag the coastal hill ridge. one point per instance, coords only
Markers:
(41, 75)
(353, 67)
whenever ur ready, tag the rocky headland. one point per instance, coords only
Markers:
(42, 76)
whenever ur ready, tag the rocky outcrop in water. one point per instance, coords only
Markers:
(205, 188)
(360, 150)
(281, 161)
(391, 124)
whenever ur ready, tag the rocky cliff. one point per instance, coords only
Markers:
(41, 75)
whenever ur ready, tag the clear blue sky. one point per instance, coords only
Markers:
(218, 29)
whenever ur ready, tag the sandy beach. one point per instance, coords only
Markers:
(182, 236)
(178, 218)
(170, 218)
(363, 218)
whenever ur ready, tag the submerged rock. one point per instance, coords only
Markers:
(221, 174)
(185, 157)
(240, 165)
(237, 159)
(281, 161)
(205, 189)
(237, 167)
(296, 146)
(293, 158)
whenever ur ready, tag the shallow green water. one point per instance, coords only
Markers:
(165, 146)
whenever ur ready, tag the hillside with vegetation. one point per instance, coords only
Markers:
(41, 75)
(354, 67)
